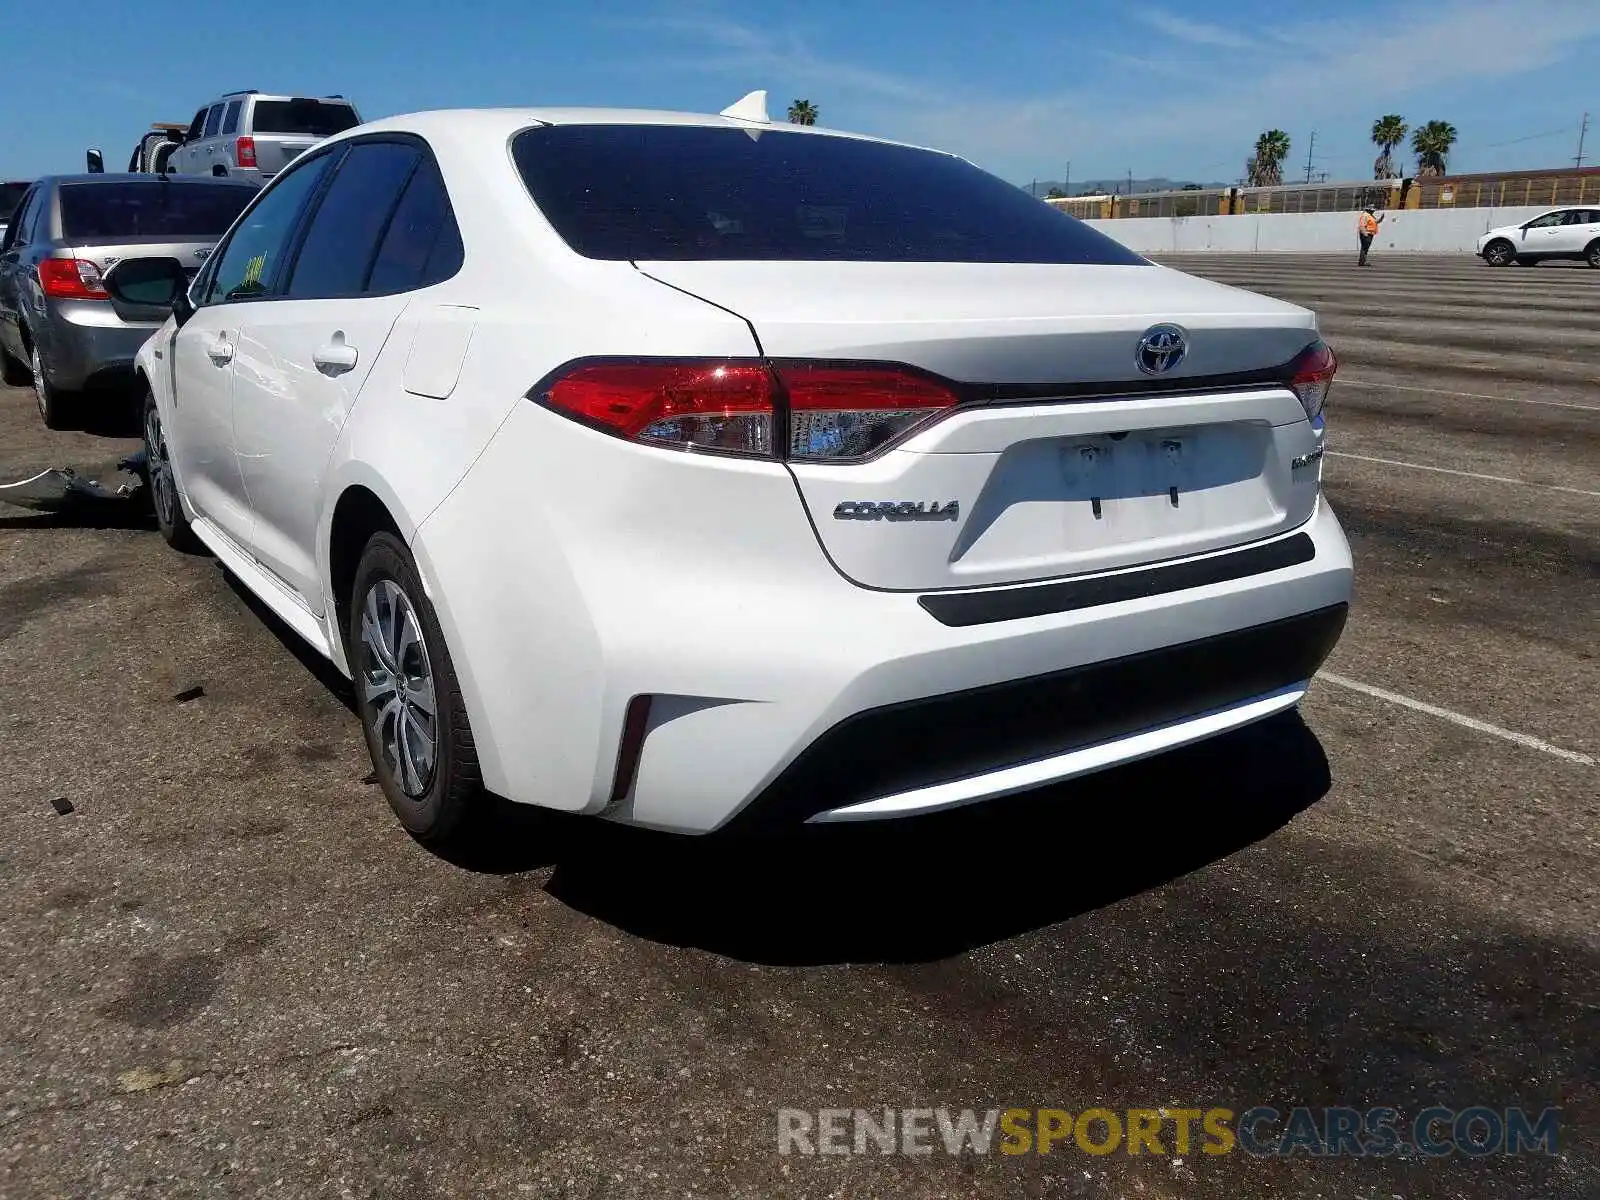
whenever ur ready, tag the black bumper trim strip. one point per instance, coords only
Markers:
(1040, 599)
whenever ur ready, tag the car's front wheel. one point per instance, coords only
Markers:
(1499, 253)
(1592, 254)
(408, 697)
(163, 484)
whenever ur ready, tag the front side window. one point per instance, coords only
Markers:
(647, 192)
(230, 118)
(153, 208)
(250, 262)
(213, 119)
(1549, 220)
(343, 236)
(197, 126)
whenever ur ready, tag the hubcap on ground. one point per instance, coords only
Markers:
(163, 492)
(397, 685)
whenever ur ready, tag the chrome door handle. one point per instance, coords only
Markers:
(335, 358)
(220, 352)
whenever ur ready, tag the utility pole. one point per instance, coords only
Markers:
(1066, 184)
(1309, 151)
(1582, 132)
(1130, 181)
(1033, 189)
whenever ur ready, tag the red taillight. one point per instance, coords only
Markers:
(1311, 375)
(719, 406)
(244, 152)
(71, 279)
(804, 411)
(853, 412)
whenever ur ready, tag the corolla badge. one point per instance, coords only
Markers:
(1160, 349)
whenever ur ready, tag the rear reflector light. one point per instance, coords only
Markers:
(244, 152)
(1311, 375)
(798, 411)
(71, 279)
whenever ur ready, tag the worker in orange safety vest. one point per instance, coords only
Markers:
(1367, 227)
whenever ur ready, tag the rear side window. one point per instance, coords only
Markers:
(343, 237)
(230, 118)
(101, 211)
(308, 118)
(213, 119)
(423, 243)
(685, 192)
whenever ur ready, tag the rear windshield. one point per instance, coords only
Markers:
(684, 192)
(310, 118)
(154, 209)
(11, 195)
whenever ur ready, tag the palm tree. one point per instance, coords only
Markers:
(802, 112)
(1432, 143)
(1387, 132)
(1265, 169)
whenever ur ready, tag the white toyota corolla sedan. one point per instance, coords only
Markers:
(707, 473)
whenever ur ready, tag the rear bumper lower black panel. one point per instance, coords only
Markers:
(1037, 600)
(919, 743)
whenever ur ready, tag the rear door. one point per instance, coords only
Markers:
(302, 359)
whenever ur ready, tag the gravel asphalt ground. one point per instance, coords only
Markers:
(227, 971)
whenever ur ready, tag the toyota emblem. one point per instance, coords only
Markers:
(1160, 349)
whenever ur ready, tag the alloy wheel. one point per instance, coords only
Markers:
(41, 392)
(163, 491)
(396, 680)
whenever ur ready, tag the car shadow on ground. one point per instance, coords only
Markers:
(920, 889)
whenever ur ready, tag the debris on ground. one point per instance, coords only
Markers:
(65, 487)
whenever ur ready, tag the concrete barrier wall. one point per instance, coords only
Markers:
(1441, 230)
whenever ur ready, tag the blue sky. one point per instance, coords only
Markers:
(1022, 87)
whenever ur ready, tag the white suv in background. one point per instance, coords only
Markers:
(1563, 233)
(246, 135)
(706, 472)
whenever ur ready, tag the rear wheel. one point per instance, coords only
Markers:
(55, 406)
(1499, 253)
(408, 697)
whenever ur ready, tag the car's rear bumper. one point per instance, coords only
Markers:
(777, 689)
(84, 343)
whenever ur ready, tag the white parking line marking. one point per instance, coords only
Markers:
(1395, 462)
(1466, 722)
(1401, 387)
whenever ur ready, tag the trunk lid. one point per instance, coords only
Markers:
(274, 151)
(1068, 459)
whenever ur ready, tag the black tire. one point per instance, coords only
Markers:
(1499, 253)
(1592, 254)
(433, 805)
(56, 407)
(14, 373)
(162, 484)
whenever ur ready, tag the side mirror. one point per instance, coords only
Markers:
(143, 287)
(97, 162)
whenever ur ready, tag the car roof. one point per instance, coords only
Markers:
(500, 123)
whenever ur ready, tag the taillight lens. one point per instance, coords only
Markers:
(71, 279)
(1311, 375)
(716, 406)
(844, 413)
(794, 410)
(244, 152)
